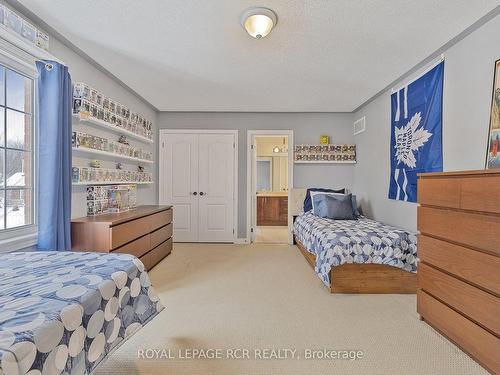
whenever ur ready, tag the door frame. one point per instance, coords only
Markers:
(161, 158)
(251, 183)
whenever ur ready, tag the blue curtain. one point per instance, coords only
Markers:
(54, 156)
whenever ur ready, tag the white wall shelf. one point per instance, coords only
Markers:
(112, 183)
(325, 154)
(87, 150)
(103, 124)
(324, 162)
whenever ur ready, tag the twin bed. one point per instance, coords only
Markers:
(65, 312)
(356, 256)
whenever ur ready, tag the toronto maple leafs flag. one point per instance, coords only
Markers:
(416, 133)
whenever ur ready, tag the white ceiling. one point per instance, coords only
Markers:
(324, 55)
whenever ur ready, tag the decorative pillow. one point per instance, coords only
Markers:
(315, 197)
(308, 201)
(335, 207)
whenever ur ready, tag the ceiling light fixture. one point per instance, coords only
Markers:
(258, 22)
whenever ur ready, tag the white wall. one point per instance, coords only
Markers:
(468, 80)
(307, 128)
(82, 70)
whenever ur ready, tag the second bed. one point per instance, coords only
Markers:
(358, 256)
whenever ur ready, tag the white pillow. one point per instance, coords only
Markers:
(313, 193)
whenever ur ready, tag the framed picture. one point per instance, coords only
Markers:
(493, 153)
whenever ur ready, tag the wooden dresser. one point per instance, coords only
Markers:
(145, 232)
(459, 251)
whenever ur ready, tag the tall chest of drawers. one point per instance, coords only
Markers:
(459, 269)
(145, 232)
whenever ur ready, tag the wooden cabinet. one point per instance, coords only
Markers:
(145, 232)
(272, 210)
(459, 251)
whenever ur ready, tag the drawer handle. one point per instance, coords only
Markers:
(202, 193)
(195, 193)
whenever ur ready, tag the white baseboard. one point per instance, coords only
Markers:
(241, 241)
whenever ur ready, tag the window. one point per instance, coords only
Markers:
(16, 150)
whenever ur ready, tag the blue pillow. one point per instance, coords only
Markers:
(333, 207)
(307, 200)
(355, 208)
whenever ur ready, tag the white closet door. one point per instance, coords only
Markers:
(216, 188)
(180, 183)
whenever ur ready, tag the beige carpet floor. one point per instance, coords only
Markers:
(271, 234)
(266, 296)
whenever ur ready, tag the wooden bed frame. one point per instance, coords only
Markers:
(366, 278)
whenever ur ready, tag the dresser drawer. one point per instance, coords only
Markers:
(473, 339)
(161, 235)
(160, 219)
(146, 260)
(481, 194)
(137, 248)
(160, 252)
(470, 229)
(129, 231)
(90, 237)
(474, 266)
(439, 192)
(478, 305)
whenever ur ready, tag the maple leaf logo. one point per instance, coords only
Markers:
(409, 139)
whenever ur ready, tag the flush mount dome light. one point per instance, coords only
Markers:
(258, 22)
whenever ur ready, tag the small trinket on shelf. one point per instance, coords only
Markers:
(140, 168)
(95, 164)
(90, 103)
(123, 140)
(119, 166)
(110, 199)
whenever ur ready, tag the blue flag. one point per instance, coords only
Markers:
(416, 133)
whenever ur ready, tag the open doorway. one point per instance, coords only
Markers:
(270, 169)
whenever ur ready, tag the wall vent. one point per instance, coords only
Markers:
(360, 125)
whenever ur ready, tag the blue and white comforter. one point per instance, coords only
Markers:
(336, 242)
(66, 311)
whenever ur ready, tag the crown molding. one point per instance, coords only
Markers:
(16, 5)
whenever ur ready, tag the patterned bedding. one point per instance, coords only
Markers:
(66, 311)
(336, 242)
